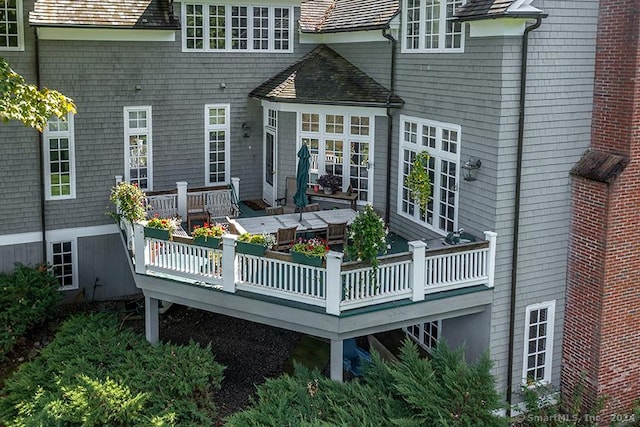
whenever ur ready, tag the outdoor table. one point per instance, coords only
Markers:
(310, 221)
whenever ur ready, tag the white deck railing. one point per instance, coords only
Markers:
(336, 286)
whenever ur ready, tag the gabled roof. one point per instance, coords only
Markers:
(489, 9)
(600, 166)
(332, 16)
(143, 14)
(324, 77)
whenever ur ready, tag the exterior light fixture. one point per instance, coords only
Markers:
(246, 130)
(470, 168)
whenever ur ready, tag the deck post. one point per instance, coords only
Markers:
(151, 321)
(334, 283)
(229, 263)
(336, 365)
(418, 267)
(182, 199)
(139, 249)
(235, 182)
(492, 237)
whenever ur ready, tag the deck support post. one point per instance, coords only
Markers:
(139, 248)
(229, 263)
(151, 320)
(334, 283)
(418, 268)
(337, 355)
(182, 199)
(492, 237)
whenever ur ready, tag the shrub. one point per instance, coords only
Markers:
(444, 391)
(27, 297)
(95, 374)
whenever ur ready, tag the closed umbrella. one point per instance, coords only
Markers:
(302, 177)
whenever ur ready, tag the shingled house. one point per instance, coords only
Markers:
(201, 92)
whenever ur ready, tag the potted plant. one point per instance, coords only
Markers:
(330, 183)
(310, 252)
(367, 238)
(208, 235)
(160, 228)
(418, 181)
(254, 244)
(129, 200)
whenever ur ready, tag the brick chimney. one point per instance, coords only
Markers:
(601, 345)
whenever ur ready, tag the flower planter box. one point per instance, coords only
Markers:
(208, 242)
(301, 258)
(157, 233)
(250, 248)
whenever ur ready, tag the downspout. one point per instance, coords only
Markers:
(387, 206)
(516, 220)
(41, 155)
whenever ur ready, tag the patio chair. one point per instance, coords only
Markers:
(274, 210)
(336, 234)
(196, 208)
(313, 207)
(285, 238)
(290, 190)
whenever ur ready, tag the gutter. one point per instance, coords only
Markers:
(392, 72)
(43, 215)
(516, 219)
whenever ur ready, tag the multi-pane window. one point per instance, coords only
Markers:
(216, 27)
(11, 25)
(137, 135)
(429, 26)
(61, 256)
(59, 158)
(442, 142)
(340, 144)
(217, 143)
(426, 335)
(538, 343)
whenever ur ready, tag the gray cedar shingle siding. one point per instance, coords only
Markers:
(488, 9)
(142, 14)
(325, 77)
(330, 16)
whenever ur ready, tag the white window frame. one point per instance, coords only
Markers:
(228, 44)
(548, 355)
(20, 28)
(74, 260)
(420, 337)
(347, 138)
(438, 155)
(227, 142)
(148, 131)
(442, 23)
(51, 134)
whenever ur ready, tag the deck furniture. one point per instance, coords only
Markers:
(163, 206)
(336, 233)
(310, 221)
(313, 207)
(274, 210)
(196, 208)
(285, 238)
(220, 205)
(338, 195)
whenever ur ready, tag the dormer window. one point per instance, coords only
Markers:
(430, 26)
(11, 25)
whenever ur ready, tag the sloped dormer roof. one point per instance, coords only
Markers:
(137, 14)
(332, 16)
(489, 9)
(324, 77)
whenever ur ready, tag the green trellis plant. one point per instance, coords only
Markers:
(418, 181)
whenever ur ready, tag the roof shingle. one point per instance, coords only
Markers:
(331, 16)
(488, 9)
(144, 14)
(324, 77)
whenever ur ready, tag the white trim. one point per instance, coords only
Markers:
(148, 131)
(74, 260)
(497, 27)
(227, 142)
(69, 134)
(420, 338)
(228, 26)
(106, 34)
(62, 233)
(343, 37)
(20, 18)
(439, 155)
(324, 109)
(442, 25)
(550, 322)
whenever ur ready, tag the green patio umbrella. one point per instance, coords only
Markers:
(302, 178)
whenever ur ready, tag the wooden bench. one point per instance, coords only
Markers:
(338, 195)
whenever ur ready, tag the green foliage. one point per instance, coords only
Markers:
(444, 391)
(28, 104)
(311, 247)
(130, 201)
(368, 237)
(418, 181)
(27, 296)
(264, 239)
(95, 374)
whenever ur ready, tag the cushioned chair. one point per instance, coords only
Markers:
(274, 210)
(285, 238)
